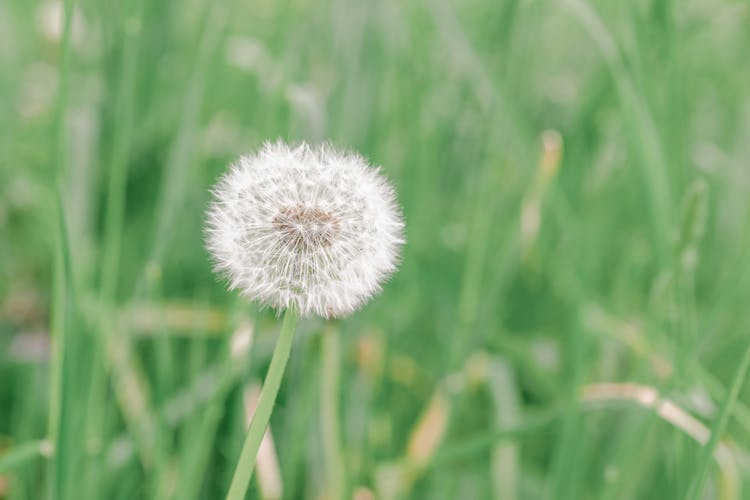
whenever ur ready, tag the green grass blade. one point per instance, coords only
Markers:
(20, 455)
(700, 474)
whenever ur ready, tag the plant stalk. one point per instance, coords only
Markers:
(246, 463)
(717, 429)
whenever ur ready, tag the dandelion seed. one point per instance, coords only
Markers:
(305, 227)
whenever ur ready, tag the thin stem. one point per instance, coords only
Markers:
(61, 312)
(245, 465)
(329, 412)
(58, 319)
(699, 477)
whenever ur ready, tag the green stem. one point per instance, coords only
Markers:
(329, 412)
(245, 465)
(699, 478)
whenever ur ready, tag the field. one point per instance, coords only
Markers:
(571, 316)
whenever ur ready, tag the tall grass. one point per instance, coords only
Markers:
(531, 277)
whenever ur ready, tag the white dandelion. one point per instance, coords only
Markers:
(305, 227)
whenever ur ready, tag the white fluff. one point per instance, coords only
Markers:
(306, 227)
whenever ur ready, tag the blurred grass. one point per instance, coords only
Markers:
(575, 180)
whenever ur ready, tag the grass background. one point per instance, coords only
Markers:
(574, 175)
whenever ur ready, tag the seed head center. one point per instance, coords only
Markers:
(303, 227)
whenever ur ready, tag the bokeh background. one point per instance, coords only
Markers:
(571, 316)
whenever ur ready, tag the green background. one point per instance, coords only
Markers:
(574, 176)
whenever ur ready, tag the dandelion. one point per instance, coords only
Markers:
(304, 229)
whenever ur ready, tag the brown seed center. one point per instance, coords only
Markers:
(304, 227)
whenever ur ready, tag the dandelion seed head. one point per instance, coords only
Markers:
(307, 227)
